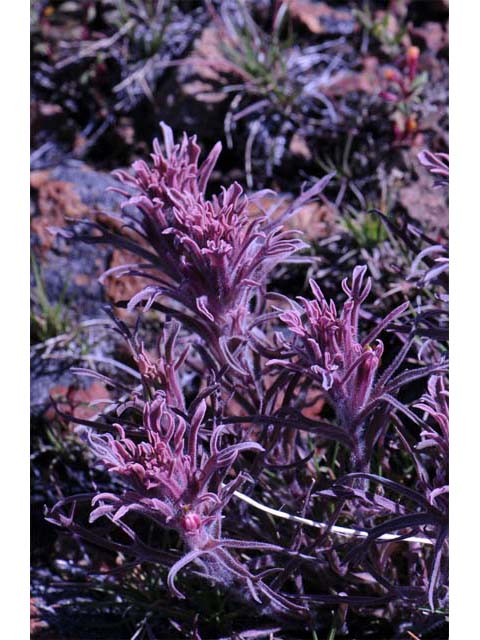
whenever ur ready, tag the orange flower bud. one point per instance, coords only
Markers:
(413, 53)
(412, 124)
(389, 74)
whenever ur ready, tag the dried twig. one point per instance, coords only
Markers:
(341, 531)
(92, 47)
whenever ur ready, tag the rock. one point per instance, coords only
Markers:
(37, 624)
(320, 18)
(69, 271)
(432, 35)
(316, 220)
(366, 80)
(424, 203)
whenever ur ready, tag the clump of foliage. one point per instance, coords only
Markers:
(275, 87)
(299, 404)
(97, 64)
(47, 319)
(387, 29)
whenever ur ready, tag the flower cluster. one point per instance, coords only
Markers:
(175, 478)
(211, 256)
(326, 346)
(168, 480)
(199, 422)
(161, 373)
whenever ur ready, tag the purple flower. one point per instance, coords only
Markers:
(167, 480)
(170, 478)
(325, 345)
(328, 347)
(161, 373)
(211, 256)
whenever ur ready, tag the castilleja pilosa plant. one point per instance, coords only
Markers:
(178, 447)
(170, 478)
(207, 258)
(170, 481)
(326, 345)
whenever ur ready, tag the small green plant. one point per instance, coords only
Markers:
(366, 227)
(385, 29)
(145, 22)
(275, 84)
(260, 57)
(47, 320)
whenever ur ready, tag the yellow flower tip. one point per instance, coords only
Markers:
(413, 53)
(412, 124)
(389, 74)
